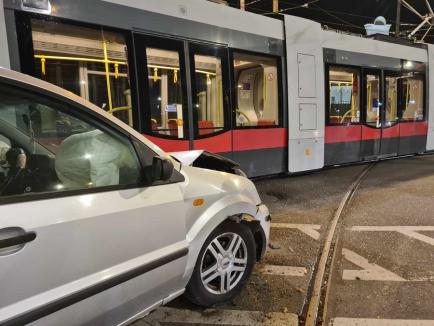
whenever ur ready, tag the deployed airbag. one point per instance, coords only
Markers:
(3, 149)
(92, 159)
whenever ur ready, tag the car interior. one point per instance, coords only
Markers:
(45, 150)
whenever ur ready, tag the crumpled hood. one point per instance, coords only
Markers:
(187, 157)
(207, 160)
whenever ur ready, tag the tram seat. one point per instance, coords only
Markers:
(154, 125)
(335, 120)
(266, 123)
(173, 127)
(206, 127)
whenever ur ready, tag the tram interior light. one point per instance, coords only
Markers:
(41, 6)
(408, 65)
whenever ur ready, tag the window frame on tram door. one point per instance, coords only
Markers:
(425, 97)
(143, 41)
(359, 69)
(221, 52)
(372, 71)
(26, 52)
(234, 88)
(392, 73)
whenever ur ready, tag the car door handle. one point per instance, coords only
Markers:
(17, 240)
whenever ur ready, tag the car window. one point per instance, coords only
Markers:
(50, 148)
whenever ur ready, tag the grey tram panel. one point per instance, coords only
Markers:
(133, 19)
(308, 116)
(306, 75)
(361, 59)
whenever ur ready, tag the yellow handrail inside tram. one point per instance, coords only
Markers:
(44, 57)
(55, 57)
(107, 77)
(120, 109)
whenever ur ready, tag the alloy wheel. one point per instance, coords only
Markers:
(223, 263)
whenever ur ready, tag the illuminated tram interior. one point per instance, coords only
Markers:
(92, 63)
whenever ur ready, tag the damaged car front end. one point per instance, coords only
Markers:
(207, 160)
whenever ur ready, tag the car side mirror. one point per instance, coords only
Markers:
(162, 169)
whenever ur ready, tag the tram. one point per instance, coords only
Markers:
(276, 95)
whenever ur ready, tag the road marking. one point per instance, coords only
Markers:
(370, 271)
(410, 231)
(218, 317)
(380, 322)
(309, 229)
(315, 300)
(283, 270)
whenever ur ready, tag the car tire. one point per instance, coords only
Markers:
(223, 266)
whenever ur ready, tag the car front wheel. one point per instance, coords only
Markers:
(224, 264)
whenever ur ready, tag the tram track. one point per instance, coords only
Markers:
(316, 302)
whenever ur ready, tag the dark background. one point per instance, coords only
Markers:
(348, 15)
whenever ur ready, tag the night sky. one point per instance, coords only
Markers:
(348, 15)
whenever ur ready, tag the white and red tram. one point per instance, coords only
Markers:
(276, 95)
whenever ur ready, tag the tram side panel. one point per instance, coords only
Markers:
(305, 96)
(430, 137)
(370, 97)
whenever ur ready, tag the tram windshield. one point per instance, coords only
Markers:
(91, 63)
(344, 106)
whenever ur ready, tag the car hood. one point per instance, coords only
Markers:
(207, 160)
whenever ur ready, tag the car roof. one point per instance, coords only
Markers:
(38, 83)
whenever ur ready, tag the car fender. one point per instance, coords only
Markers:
(217, 213)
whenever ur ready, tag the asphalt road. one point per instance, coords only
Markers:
(383, 267)
(389, 223)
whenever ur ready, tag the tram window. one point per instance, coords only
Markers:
(373, 99)
(165, 92)
(91, 63)
(257, 85)
(413, 93)
(344, 90)
(391, 99)
(209, 94)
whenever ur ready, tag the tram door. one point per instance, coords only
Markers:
(390, 115)
(209, 68)
(184, 94)
(162, 92)
(371, 131)
(380, 132)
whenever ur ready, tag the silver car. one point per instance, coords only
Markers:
(98, 226)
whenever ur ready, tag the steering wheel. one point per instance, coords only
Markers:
(16, 159)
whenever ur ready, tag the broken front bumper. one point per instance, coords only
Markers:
(264, 218)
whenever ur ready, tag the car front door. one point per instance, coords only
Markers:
(82, 241)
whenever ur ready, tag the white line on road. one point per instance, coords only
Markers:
(380, 322)
(410, 231)
(218, 317)
(315, 300)
(370, 271)
(283, 270)
(309, 229)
